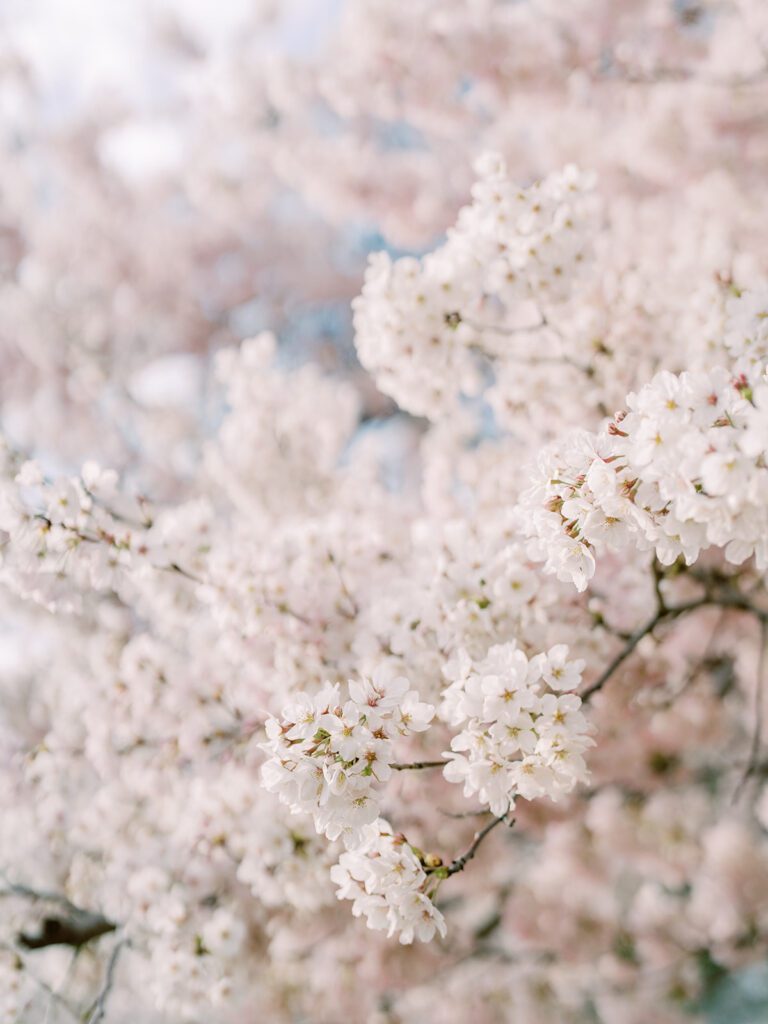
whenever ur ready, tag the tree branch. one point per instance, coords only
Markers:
(71, 931)
(417, 766)
(660, 615)
(736, 602)
(72, 927)
(461, 862)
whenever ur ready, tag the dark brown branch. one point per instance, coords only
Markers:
(74, 931)
(73, 926)
(661, 615)
(461, 862)
(736, 602)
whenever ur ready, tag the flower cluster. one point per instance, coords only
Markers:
(387, 882)
(523, 736)
(683, 468)
(528, 243)
(420, 324)
(329, 757)
(79, 527)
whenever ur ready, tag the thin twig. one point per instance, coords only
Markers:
(736, 602)
(354, 607)
(417, 766)
(500, 329)
(697, 666)
(481, 812)
(175, 567)
(660, 615)
(41, 895)
(99, 1007)
(461, 862)
(757, 729)
(658, 578)
(281, 607)
(528, 360)
(683, 76)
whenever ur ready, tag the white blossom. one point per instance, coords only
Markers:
(518, 738)
(387, 883)
(330, 757)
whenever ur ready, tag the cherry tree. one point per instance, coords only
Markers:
(419, 683)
